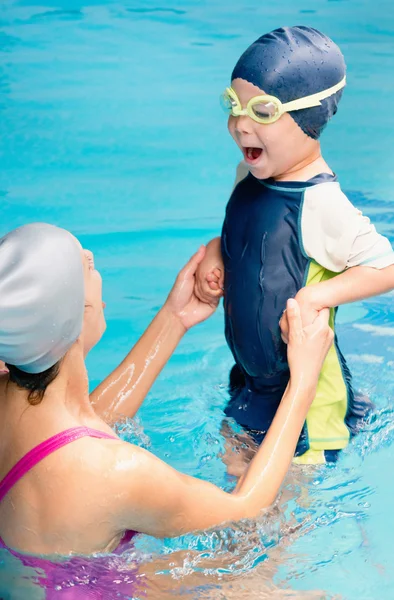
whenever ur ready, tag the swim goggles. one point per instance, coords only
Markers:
(268, 109)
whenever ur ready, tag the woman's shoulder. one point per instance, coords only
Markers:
(135, 473)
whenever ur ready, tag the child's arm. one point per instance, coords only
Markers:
(352, 285)
(338, 237)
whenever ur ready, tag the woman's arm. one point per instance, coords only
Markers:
(160, 501)
(124, 390)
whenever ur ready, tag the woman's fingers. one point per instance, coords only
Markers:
(294, 321)
(320, 323)
(190, 268)
(291, 323)
(322, 318)
(320, 328)
(284, 327)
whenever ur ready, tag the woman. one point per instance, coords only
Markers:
(75, 474)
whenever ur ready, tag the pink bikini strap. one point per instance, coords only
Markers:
(38, 453)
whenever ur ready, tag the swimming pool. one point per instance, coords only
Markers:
(110, 126)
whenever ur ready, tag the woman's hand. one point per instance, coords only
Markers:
(308, 346)
(309, 302)
(182, 301)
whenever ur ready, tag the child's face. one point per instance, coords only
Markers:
(272, 150)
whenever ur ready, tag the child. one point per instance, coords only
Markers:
(289, 225)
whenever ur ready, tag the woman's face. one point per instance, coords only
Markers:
(94, 323)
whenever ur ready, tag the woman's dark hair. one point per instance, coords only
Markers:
(36, 383)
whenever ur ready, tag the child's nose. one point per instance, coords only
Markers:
(243, 124)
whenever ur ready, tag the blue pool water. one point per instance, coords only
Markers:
(110, 127)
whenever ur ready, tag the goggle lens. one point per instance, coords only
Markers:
(227, 102)
(265, 111)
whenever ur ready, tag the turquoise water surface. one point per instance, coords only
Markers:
(110, 127)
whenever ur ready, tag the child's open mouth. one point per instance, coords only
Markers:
(252, 155)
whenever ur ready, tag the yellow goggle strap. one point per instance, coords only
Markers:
(313, 99)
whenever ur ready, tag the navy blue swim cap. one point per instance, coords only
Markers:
(293, 62)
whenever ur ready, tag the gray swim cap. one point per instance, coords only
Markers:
(41, 296)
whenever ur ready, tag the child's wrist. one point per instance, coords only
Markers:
(314, 296)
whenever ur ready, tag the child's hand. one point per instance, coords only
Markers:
(209, 282)
(215, 279)
(182, 301)
(309, 308)
(210, 274)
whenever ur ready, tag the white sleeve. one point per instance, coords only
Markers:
(337, 235)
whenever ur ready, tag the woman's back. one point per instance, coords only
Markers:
(67, 492)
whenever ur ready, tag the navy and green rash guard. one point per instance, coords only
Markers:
(276, 238)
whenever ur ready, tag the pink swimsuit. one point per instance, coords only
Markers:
(71, 579)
